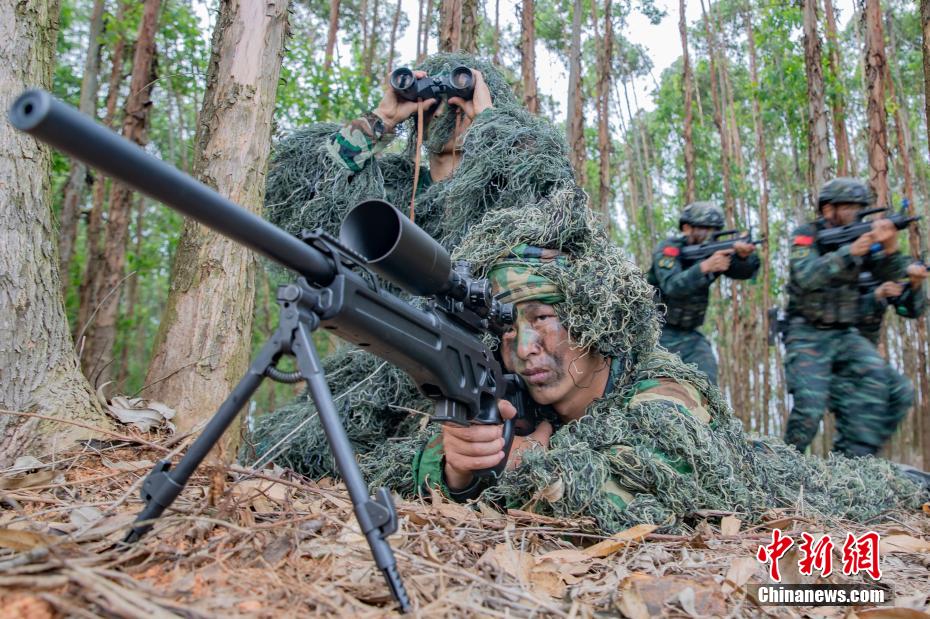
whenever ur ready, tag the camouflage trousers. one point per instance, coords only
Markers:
(692, 347)
(843, 370)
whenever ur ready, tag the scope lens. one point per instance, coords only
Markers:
(462, 77)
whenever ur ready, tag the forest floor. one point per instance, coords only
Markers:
(277, 545)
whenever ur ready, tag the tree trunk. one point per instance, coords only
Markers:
(687, 89)
(575, 120)
(95, 219)
(818, 143)
(528, 55)
(371, 44)
(845, 163)
(393, 46)
(497, 32)
(875, 82)
(470, 26)
(204, 340)
(40, 372)
(78, 177)
(719, 121)
(450, 25)
(101, 332)
(602, 88)
(763, 181)
(331, 35)
(132, 297)
(421, 8)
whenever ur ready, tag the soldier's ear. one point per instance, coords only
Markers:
(686, 229)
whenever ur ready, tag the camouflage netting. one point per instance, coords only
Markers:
(509, 157)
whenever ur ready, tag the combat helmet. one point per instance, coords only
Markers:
(703, 214)
(844, 190)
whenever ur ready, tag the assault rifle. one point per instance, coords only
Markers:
(831, 239)
(439, 345)
(717, 242)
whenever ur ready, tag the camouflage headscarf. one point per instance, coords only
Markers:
(517, 279)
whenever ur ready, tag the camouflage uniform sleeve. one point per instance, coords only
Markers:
(889, 267)
(675, 281)
(356, 143)
(809, 269)
(743, 268)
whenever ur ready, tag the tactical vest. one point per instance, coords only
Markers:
(685, 314)
(835, 305)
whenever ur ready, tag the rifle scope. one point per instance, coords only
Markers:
(40, 114)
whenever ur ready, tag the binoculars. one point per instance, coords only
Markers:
(458, 83)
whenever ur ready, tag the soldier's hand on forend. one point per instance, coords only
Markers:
(863, 244)
(394, 110)
(473, 448)
(718, 262)
(743, 249)
(917, 273)
(889, 290)
(885, 233)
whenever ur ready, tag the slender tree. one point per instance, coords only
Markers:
(39, 369)
(575, 121)
(602, 94)
(719, 118)
(818, 144)
(497, 32)
(528, 55)
(393, 44)
(76, 185)
(845, 163)
(101, 332)
(203, 342)
(877, 116)
(331, 34)
(687, 89)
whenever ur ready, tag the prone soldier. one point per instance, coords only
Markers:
(822, 341)
(684, 285)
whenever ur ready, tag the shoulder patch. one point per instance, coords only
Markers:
(671, 251)
(804, 240)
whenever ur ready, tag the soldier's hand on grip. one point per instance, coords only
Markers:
(743, 249)
(917, 273)
(885, 232)
(718, 263)
(863, 244)
(473, 448)
(889, 290)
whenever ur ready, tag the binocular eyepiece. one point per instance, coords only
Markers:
(401, 252)
(460, 82)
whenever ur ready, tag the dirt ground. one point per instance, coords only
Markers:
(272, 544)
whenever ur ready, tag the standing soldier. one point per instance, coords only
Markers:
(909, 301)
(684, 287)
(823, 310)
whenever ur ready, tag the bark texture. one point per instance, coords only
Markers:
(331, 33)
(604, 64)
(450, 25)
(204, 340)
(875, 71)
(97, 356)
(528, 55)
(38, 368)
(845, 163)
(470, 26)
(575, 132)
(818, 142)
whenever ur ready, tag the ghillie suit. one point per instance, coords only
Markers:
(662, 444)
(508, 158)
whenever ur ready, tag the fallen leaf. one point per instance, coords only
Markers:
(697, 597)
(618, 540)
(547, 582)
(22, 540)
(729, 525)
(84, 515)
(741, 569)
(904, 543)
(139, 412)
(39, 478)
(132, 465)
(507, 560)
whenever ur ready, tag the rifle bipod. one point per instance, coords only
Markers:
(301, 307)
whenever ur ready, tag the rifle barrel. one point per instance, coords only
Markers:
(58, 124)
